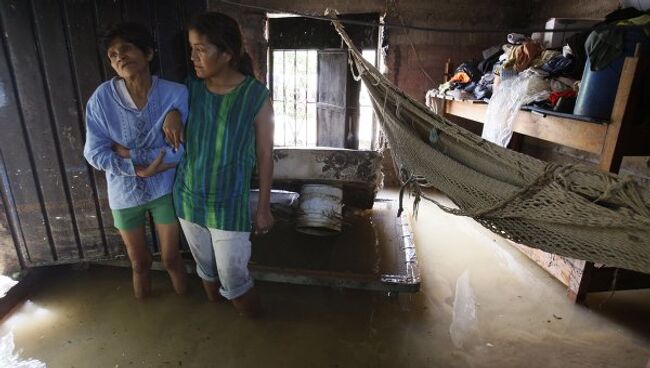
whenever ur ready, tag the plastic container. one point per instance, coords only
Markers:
(598, 88)
(643, 5)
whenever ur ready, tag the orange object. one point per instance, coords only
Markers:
(461, 77)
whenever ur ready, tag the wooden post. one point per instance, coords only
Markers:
(612, 153)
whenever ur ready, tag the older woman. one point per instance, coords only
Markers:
(124, 119)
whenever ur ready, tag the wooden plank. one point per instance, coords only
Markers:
(84, 48)
(562, 268)
(23, 202)
(86, 72)
(330, 108)
(568, 132)
(33, 102)
(612, 152)
(331, 127)
(138, 11)
(188, 9)
(574, 273)
(170, 38)
(9, 260)
(580, 282)
(107, 14)
(352, 93)
(466, 110)
(68, 135)
(608, 279)
(338, 280)
(191, 8)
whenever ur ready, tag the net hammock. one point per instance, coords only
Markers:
(571, 210)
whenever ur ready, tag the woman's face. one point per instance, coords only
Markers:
(127, 59)
(208, 60)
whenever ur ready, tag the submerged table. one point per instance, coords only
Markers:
(375, 251)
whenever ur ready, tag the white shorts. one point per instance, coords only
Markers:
(221, 256)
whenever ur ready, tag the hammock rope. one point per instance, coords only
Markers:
(571, 210)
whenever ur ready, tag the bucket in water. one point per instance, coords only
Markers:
(320, 210)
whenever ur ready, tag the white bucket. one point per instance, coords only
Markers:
(320, 210)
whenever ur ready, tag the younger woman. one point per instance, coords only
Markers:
(229, 131)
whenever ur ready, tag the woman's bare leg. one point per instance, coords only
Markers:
(169, 236)
(140, 258)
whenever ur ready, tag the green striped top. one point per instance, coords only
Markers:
(213, 178)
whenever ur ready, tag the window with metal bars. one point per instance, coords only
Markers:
(294, 97)
(295, 90)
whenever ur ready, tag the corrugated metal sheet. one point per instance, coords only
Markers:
(54, 206)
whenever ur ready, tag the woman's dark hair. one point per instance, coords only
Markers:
(134, 33)
(223, 32)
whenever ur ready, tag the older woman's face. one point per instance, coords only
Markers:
(127, 59)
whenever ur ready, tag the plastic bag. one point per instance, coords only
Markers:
(507, 98)
(464, 324)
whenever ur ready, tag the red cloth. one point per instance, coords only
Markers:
(554, 96)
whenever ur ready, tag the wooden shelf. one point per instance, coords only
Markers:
(572, 133)
(610, 142)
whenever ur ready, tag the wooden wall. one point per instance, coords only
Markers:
(54, 206)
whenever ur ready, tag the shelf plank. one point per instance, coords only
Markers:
(572, 133)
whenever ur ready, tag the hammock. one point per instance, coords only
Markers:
(571, 210)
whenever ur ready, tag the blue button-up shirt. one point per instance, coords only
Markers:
(109, 120)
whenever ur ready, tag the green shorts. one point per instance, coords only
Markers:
(162, 211)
